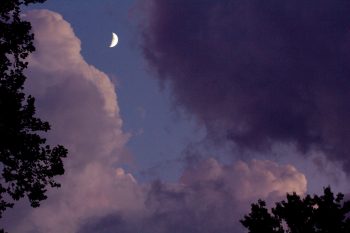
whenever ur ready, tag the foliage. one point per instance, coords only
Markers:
(317, 214)
(27, 164)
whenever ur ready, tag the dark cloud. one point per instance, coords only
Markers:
(257, 72)
(112, 223)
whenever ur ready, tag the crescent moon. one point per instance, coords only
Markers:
(114, 40)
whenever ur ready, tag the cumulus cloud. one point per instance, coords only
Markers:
(257, 179)
(208, 198)
(81, 104)
(257, 72)
(211, 197)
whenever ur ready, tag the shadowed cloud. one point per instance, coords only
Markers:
(257, 72)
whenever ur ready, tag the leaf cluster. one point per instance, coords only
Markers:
(27, 163)
(312, 214)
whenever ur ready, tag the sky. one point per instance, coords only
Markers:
(202, 108)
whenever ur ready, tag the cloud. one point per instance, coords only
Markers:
(210, 197)
(257, 73)
(256, 179)
(80, 103)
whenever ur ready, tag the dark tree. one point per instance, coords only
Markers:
(27, 164)
(317, 214)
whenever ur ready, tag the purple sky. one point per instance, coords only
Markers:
(201, 109)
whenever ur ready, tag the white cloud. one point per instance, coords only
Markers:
(259, 179)
(248, 181)
(80, 103)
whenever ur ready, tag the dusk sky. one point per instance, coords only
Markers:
(202, 108)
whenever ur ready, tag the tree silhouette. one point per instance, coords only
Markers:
(27, 164)
(317, 214)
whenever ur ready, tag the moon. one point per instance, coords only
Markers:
(114, 40)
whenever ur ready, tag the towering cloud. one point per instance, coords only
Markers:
(257, 72)
(80, 102)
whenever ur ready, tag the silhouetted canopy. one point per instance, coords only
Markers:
(317, 214)
(27, 164)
